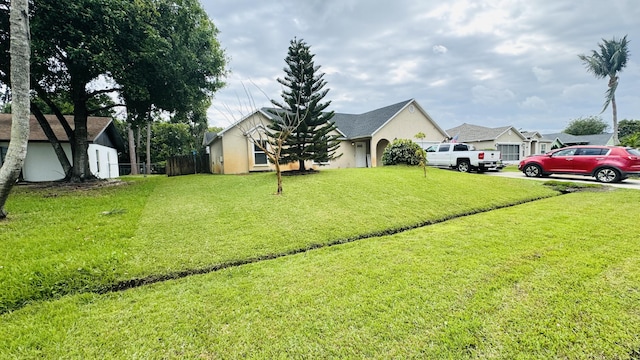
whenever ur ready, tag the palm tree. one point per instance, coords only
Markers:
(632, 140)
(611, 59)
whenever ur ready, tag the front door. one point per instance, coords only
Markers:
(361, 154)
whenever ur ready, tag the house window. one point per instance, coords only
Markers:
(543, 148)
(98, 160)
(259, 156)
(3, 153)
(509, 152)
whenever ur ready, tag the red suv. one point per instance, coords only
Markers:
(606, 163)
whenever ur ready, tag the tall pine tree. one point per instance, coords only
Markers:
(302, 95)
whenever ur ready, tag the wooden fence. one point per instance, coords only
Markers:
(188, 164)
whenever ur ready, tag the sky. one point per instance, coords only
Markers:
(491, 63)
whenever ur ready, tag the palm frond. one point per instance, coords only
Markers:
(595, 65)
(609, 61)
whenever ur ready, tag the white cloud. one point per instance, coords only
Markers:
(577, 91)
(472, 17)
(403, 71)
(543, 75)
(439, 49)
(439, 83)
(534, 102)
(524, 44)
(484, 74)
(488, 96)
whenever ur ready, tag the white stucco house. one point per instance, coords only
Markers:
(42, 164)
(512, 144)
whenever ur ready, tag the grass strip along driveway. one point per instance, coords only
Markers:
(59, 242)
(555, 278)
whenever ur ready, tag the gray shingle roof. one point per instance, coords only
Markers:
(468, 133)
(208, 138)
(364, 125)
(95, 127)
(568, 139)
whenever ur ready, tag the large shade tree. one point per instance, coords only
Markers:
(628, 127)
(590, 125)
(19, 73)
(154, 54)
(303, 92)
(176, 66)
(608, 62)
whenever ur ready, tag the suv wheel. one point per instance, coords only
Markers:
(607, 175)
(532, 170)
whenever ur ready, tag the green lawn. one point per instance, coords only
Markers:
(59, 241)
(511, 168)
(554, 278)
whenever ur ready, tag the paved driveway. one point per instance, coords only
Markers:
(630, 183)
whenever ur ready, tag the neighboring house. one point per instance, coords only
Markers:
(512, 144)
(560, 140)
(535, 143)
(363, 138)
(41, 163)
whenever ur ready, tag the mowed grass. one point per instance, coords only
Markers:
(59, 242)
(552, 279)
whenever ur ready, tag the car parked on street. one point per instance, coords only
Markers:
(606, 163)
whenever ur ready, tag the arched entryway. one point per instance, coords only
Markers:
(380, 150)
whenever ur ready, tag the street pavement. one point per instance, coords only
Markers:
(630, 183)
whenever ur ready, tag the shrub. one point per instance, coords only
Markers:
(403, 151)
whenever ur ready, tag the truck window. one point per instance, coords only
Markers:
(432, 148)
(443, 148)
(460, 147)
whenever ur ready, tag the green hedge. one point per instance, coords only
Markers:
(403, 151)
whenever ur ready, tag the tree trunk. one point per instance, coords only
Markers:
(132, 151)
(56, 111)
(61, 118)
(20, 76)
(276, 162)
(57, 147)
(148, 170)
(279, 176)
(80, 145)
(614, 108)
(138, 137)
(301, 167)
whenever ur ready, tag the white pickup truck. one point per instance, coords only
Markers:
(463, 157)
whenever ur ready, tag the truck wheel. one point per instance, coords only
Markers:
(532, 170)
(464, 166)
